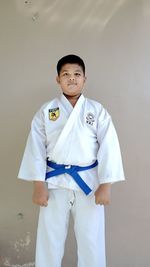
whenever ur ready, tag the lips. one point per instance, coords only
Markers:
(72, 83)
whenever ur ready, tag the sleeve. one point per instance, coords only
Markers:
(110, 167)
(33, 165)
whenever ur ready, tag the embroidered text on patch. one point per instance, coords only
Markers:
(90, 118)
(54, 114)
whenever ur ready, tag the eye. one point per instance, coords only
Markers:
(77, 74)
(65, 74)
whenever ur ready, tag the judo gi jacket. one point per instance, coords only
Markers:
(69, 135)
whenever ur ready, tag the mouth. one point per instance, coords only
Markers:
(70, 84)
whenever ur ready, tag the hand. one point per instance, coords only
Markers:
(103, 194)
(40, 194)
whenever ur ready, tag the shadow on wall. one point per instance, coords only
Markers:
(16, 248)
(5, 262)
(96, 14)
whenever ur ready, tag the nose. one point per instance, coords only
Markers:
(71, 77)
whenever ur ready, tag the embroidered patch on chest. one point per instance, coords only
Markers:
(90, 118)
(54, 114)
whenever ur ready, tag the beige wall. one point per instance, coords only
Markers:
(113, 37)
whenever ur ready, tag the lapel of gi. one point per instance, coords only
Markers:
(70, 124)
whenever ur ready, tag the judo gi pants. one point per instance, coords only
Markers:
(88, 226)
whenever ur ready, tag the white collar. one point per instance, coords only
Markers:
(68, 105)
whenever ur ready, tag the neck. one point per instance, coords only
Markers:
(72, 99)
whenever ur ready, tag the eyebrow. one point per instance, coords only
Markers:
(77, 70)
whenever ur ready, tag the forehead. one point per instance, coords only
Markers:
(71, 67)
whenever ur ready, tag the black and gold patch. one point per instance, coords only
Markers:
(54, 114)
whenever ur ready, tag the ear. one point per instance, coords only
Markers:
(57, 79)
(85, 78)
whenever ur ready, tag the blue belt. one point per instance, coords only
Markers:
(71, 170)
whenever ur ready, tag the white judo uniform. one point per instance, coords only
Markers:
(72, 136)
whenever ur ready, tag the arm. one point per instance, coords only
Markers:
(33, 165)
(110, 168)
(103, 194)
(40, 193)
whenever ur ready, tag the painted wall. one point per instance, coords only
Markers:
(113, 37)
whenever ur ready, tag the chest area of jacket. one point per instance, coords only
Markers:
(56, 119)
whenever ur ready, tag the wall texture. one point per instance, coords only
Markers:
(113, 37)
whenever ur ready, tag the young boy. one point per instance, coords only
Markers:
(73, 156)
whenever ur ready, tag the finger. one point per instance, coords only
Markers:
(45, 204)
(98, 202)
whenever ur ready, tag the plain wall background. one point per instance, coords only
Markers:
(113, 37)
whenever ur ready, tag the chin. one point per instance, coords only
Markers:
(72, 94)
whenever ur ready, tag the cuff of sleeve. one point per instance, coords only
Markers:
(31, 179)
(110, 180)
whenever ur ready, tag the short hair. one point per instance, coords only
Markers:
(71, 59)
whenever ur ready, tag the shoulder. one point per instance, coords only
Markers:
(98, 109)
(51, 104)
(93, 103)
(45, 107)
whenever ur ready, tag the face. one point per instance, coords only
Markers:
(71, 79)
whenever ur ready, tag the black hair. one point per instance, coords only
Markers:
(72, 59)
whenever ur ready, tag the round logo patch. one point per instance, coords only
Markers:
(90, 118)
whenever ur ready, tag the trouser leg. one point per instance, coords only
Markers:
(52, 229)
(89, 230)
